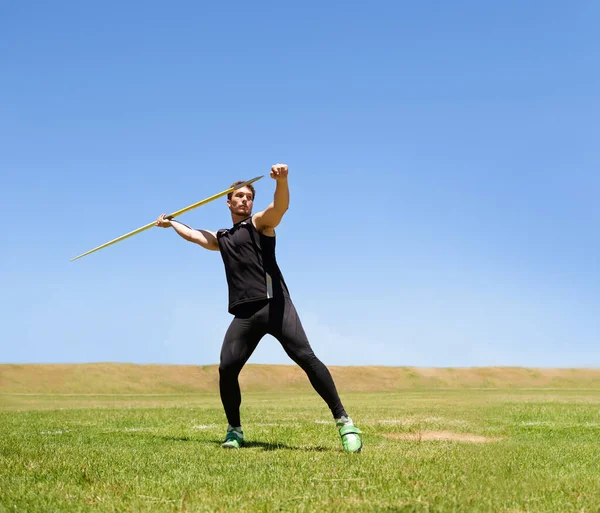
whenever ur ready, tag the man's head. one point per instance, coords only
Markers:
(240, 201)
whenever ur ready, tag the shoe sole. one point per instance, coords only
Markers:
(225, 446)
(357, 450)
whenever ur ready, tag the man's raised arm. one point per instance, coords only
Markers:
(204, 238)
(270, 218)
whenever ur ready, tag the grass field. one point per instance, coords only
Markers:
(425, 450)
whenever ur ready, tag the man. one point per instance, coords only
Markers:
(260, 302)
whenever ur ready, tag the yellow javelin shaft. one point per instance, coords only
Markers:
(175, 214)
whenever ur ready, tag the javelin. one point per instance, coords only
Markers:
(175, 214)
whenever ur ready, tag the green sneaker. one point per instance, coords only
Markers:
(233, 440)
(351, 441)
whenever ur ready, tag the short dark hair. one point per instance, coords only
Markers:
(250, 186)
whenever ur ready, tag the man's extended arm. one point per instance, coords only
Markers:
(204, 238)
(272, 215)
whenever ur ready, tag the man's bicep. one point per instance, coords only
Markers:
(269, 218)
(206, 239)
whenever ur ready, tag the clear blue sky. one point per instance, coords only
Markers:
(444, 171)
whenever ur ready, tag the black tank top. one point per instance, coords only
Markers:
(250, 266)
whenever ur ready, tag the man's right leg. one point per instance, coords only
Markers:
(287, 328)
(242, 337)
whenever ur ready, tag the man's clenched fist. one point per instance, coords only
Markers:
(279, 172)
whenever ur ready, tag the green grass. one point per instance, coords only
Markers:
(162, 453)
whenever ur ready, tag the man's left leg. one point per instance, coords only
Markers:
(286, 327)
(245, 331)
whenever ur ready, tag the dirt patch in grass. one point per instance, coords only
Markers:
(444, 436)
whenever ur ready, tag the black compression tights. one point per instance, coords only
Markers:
(279, 319)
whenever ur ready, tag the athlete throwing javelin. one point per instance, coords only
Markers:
(260, 302)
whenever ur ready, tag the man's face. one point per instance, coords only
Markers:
(240, 203)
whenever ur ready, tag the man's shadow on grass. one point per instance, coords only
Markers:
(268, 446)
(252, 444)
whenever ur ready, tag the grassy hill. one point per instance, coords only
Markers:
(120, 378)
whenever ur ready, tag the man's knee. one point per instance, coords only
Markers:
(306, 359)
(229, 369)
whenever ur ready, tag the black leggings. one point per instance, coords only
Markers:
(278, 318)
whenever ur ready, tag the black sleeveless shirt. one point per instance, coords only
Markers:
(250, 266)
